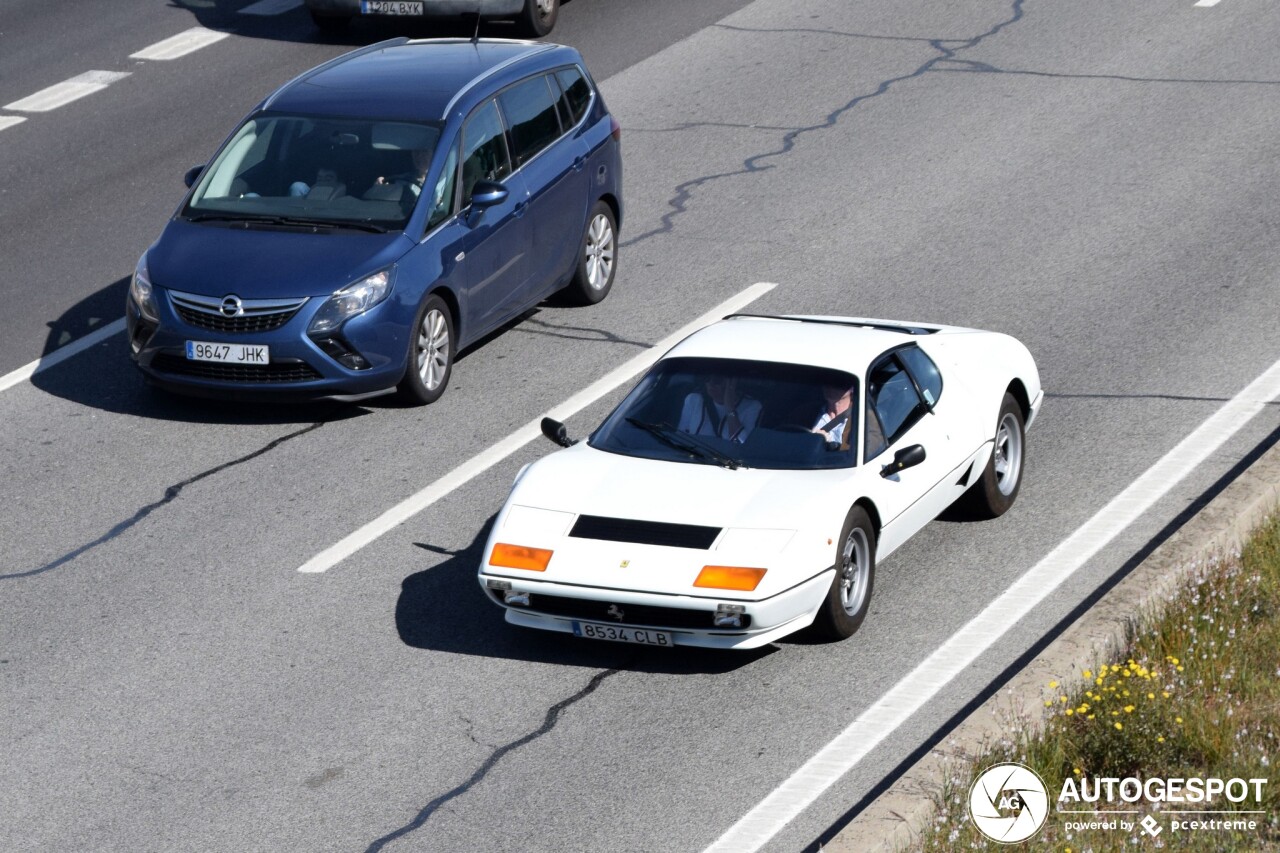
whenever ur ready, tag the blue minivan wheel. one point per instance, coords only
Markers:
(597, 259)
(431, 350)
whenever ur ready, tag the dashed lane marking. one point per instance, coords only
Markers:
(10, 121)
(486, 459)
(927, 680)
(1208, 2)
(183, 43)
(271, 7)
(67, 91)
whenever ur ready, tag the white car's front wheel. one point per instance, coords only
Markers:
(997, 489)
(849, 598)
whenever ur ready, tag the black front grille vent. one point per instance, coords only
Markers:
(644, 532)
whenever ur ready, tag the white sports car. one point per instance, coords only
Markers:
(746, 487)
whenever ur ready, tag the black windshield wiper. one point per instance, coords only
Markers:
(335, 223)
(673, 437)
(288, 221)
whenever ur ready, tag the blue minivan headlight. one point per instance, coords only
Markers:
(140, 291)
(351, 300)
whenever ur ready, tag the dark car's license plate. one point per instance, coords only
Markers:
(390, 7)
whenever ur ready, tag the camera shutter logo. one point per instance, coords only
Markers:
(1008, 803)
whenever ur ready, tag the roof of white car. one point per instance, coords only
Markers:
(843, 343)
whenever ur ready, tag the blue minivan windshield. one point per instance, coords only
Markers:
(288, 169)
(737, 413)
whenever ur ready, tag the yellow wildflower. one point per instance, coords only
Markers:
(1119, 727)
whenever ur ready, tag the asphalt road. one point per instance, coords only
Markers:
(1095, 178)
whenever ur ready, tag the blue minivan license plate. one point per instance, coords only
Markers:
(228, 353)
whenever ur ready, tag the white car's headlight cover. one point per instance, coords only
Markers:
(141, 293)
(754, 540)
(536, 524)
(352, 300)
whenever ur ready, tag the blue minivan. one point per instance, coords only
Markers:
(375, 215)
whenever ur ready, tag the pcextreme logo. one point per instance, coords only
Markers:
(1008, 803)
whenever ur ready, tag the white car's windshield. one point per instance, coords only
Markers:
(736, 413)
(286, 170)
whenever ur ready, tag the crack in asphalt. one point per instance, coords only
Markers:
(692, 125)
(170, 494)
(985, 68)
(947, 50)
(548, 723)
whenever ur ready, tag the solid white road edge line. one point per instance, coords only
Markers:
(489, 457)
(183, 43)
(910, 694)
(61, 354)
(60, 94)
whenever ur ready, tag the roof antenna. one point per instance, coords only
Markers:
(475, 36)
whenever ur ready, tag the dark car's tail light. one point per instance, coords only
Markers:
(615, 129)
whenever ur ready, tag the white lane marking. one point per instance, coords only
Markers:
(60, 355)
(67, 91)
(910, 694)
(271, 7)
(183, 43)
(1208, 2)
(10, 121)
(486, 459)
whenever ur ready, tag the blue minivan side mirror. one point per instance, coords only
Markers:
(487, 194)
(190, 177)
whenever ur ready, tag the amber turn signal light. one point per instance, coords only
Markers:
(729, 577)
(520, 557)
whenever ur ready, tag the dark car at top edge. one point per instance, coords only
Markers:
(533, 18)
(378, 213)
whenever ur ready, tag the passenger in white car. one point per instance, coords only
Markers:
(720, 410)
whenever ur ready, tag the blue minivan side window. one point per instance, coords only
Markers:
(530, 110)
(577, 92)
(484, 141)
(442, 197)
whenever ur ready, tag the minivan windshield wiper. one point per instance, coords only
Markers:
(294, 221)
(673, 437)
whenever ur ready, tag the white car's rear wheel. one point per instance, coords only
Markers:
(849, 598)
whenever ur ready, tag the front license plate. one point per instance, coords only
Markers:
(233, 353)
(620, 634)
(389, 7)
